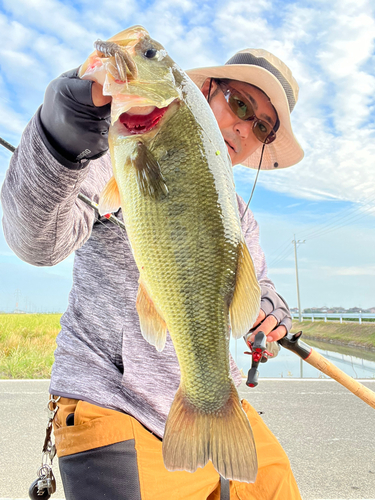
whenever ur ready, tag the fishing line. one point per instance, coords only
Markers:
(256, 178)
(121, 234)
(112, 218)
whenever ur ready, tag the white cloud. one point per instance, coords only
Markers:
(242, 24)
(281, 270)
(50, 17)
(12, 123)
(328, 46)
(349, 271)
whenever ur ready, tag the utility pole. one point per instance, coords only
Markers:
(17, 294)
(295, 243)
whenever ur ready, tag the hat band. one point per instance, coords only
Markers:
(247, 58)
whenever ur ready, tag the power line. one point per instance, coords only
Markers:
(338, 217)
(281, 257)
(278, 250)
(350, 215)
(351, 219)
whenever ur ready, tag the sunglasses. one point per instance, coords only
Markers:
(242, 107)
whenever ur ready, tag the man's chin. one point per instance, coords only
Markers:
(236, 158)
(232, 154)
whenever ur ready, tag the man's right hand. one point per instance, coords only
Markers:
(75, 117)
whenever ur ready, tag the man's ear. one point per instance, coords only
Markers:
(205, 87)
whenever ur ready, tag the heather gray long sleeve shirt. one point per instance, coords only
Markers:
(101, 355)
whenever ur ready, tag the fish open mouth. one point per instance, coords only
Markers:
(139, 124)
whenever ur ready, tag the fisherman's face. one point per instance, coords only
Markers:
(238, 134)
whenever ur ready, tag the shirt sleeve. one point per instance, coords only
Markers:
(250, 229)
(43, 219)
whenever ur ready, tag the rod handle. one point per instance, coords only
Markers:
(321, 363)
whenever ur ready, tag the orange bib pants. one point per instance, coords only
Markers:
(135, 451)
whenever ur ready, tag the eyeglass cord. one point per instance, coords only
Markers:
(255, 181)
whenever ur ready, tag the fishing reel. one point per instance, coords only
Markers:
(259, 354)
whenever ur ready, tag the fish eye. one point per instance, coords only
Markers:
(150, 53)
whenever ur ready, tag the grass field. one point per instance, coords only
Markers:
(27, 341)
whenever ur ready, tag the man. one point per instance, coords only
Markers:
(271, 92)
(115, 389)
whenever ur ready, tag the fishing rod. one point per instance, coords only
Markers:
(81, 196)
(292, 342)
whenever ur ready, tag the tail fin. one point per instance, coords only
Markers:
(193, 437)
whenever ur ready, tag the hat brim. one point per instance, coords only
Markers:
(284, 151)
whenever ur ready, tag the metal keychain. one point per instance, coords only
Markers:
(45, 484)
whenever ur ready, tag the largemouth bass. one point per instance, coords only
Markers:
(173, 180)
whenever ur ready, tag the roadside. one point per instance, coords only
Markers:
(324, 429)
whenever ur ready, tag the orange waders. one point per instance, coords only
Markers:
(105, 454)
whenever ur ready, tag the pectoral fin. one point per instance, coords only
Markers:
(245, 305)
(109, 200)
(153, 327)
(149, 177)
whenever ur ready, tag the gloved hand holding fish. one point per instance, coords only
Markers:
(173, 180)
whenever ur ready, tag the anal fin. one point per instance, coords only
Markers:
(153, 326)
(245, 305)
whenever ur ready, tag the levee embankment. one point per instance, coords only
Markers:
(350, 334)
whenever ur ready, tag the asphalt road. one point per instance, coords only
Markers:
(328, 434)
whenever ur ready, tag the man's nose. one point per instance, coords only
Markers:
(243, 128)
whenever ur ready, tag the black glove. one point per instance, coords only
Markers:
(74, 127)
(272, 303)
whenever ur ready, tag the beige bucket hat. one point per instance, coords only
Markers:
(264, 70)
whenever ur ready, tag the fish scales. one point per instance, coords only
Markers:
(173, 180)
(190, 258)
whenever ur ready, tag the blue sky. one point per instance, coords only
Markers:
(328, 199)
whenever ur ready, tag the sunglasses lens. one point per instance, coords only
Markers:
(241, 107)
(263, 133)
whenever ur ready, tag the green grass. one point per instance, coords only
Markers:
(27, 344)
(348, 333)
